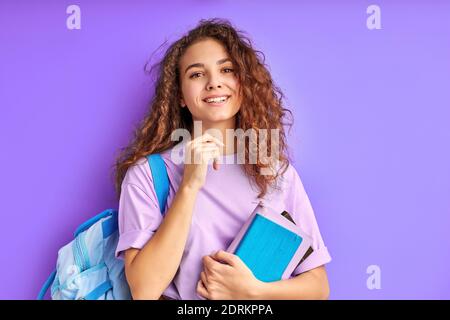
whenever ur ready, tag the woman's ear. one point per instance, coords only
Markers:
(182, 103)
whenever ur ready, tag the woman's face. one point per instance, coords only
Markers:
(206, 71)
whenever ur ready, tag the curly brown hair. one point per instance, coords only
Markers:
(261, 108)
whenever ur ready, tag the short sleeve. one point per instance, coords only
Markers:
(139, 213)
(299, 205)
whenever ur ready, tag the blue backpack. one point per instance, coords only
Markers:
(87, 268)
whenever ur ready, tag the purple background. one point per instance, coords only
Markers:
(370, 140)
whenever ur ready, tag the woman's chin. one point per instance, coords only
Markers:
(216, 118)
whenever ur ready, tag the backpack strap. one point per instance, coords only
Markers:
(160, 179)
(46, 285)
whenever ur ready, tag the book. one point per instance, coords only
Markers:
(271, 244)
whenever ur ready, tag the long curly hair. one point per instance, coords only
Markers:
(261, 107)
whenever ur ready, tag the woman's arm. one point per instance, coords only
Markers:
(312, 284)
(150, 270)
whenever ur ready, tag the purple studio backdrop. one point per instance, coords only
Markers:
(370, 99)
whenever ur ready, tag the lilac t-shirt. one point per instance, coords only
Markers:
(221, 208)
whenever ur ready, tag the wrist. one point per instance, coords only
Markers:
(185, 187)
(258, 290)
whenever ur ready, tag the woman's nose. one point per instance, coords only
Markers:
(214, 81)
(211, 86)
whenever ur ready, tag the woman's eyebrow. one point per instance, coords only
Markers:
(201, 65)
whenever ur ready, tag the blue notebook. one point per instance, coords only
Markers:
(271, 245)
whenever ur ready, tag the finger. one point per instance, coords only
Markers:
(208, 144)
(216, 163)
(214, 154)
(209, 263)
(214, 150)
(199, 150)
(208, 138)
(226, 257)
(204, 279)
(201, 290)
(205, 141)
(204, 156)
(206, 148)
(207, 272)
(211, 154)
(207, 151)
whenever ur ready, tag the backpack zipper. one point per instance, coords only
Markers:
(77, 255)
(80, 252)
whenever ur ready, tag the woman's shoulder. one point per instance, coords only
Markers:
(287, 174)
(289, 189)
(141, 167)
(138, 173)
(290, 181)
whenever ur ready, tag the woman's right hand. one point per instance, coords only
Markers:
(198, 153)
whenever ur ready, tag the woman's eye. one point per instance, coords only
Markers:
(231, 70)
(194, 75)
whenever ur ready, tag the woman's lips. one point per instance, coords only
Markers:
(217, 104)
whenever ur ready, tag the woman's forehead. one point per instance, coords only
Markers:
(207, 51)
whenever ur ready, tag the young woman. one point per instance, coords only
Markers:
(211, 76)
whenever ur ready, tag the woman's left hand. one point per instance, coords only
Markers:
(231, 280)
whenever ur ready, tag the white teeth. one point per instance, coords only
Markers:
(218, 99)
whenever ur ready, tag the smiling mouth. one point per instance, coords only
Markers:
(216, 101)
